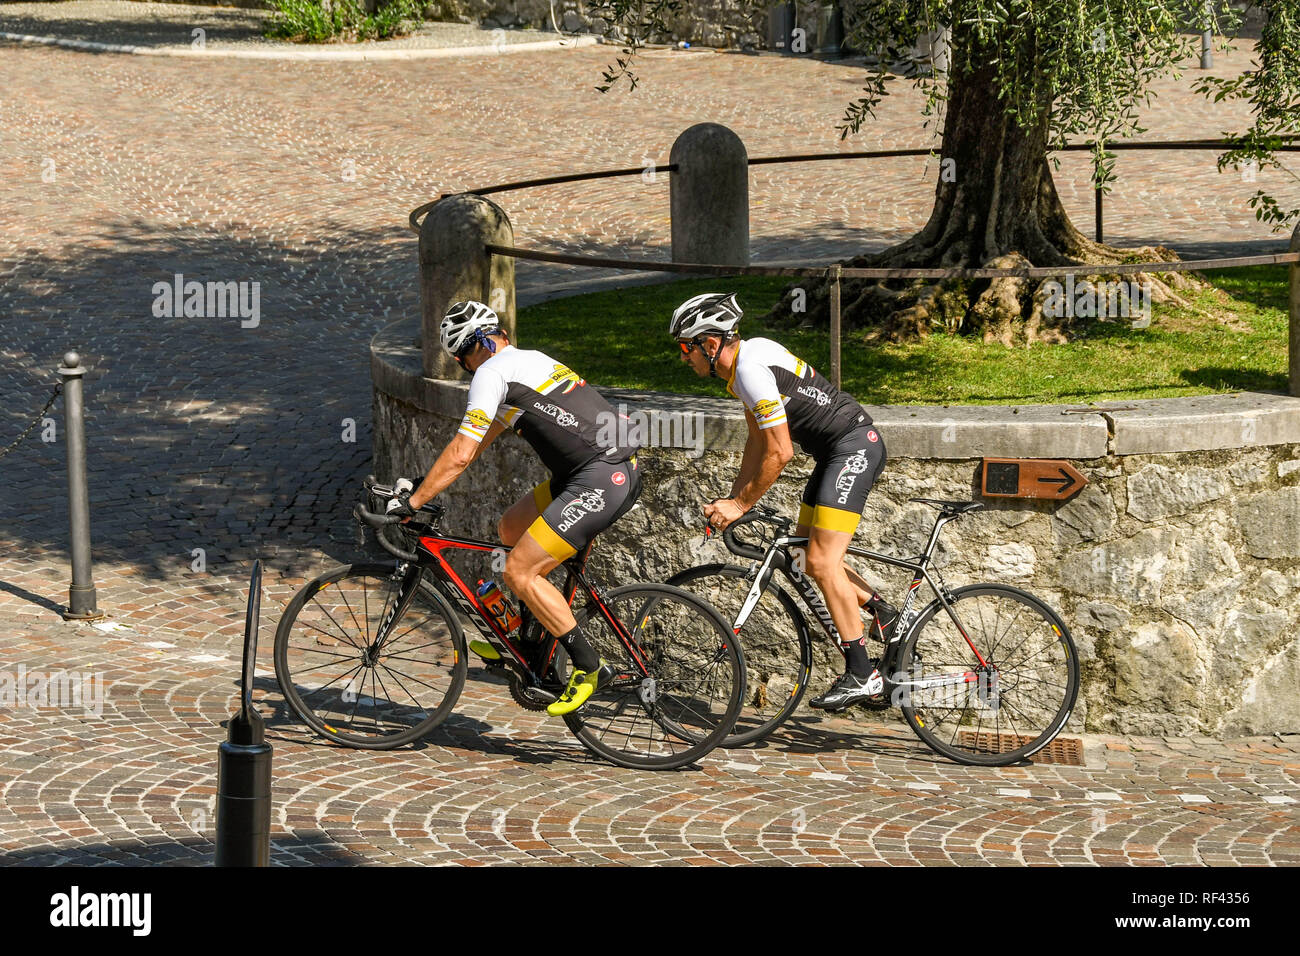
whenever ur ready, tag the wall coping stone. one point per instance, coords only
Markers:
(956, 432)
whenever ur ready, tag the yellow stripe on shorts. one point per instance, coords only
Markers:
(542, 495)
(551, 542)
(805, 514)
(835, 519)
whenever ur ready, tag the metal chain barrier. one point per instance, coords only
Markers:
(58, 388)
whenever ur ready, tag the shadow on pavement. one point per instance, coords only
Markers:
(302, 849)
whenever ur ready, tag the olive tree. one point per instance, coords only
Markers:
(1023, 78)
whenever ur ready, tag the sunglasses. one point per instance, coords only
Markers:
(465, 353)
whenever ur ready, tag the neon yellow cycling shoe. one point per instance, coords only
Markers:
(484, 650)
(581, 686)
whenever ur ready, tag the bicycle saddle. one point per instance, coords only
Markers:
(950, 507)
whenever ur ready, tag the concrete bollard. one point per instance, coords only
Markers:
(1294, 338)
(81, 593)
(709, 196)
(454, 266)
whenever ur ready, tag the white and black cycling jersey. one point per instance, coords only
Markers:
(566, 421)
(777, 386)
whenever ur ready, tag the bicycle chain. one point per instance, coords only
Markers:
(58, 388)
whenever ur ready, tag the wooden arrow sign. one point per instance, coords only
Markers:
(1052, 478)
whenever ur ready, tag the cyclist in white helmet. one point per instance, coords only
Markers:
(592, 484)
(786, 401)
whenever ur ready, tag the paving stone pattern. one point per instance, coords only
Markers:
(205, 435)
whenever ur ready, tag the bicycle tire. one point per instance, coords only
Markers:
(934, 647)
(439, 673)
(777, 655)
(698, 674)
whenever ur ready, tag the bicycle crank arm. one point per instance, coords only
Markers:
(941, 680)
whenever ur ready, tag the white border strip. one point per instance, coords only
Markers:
(344, 55)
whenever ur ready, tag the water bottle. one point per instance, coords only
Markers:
(490, 597)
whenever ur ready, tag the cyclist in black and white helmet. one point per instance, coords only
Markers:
(594, 478)
(787, 401)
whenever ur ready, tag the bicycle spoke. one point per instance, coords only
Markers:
(1015, 617)
(336, 624)
(308, 670)
(348, 605)
(321, 650)
(1046, 647)
(316, 627)
(317, 690)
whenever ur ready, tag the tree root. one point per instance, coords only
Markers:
(1010, 310)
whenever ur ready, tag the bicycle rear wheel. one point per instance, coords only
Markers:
(775, 642)
(347, 690)
(1002, 710)
(677, 690)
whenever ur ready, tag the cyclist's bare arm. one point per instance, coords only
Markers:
(455, 458)
(753, 454)
(774, 452)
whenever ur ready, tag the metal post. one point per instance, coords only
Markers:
(780, 26)
(1098, 216)
(81, 593)
(1207, 37)
(835, 325)
(1294, 343)
(830, 30)
(244, 764)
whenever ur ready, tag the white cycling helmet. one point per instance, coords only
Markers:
(462, 321)
(713, 313)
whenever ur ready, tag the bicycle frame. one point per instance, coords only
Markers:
(450, 585)
(777, 557)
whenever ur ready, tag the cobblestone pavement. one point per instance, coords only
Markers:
(211, 444)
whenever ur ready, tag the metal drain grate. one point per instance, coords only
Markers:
(1066, 751)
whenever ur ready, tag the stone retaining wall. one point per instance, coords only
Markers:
(1177, 568)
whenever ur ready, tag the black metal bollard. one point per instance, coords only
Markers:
(81, 593)
(244, 764)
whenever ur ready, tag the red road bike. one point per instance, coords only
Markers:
(374, 655)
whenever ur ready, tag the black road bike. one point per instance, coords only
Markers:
(984, 673)
(374, 655)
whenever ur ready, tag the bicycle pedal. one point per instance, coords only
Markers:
(878, 702)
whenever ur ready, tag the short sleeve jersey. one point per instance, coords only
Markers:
(776, 386)
(566, 421)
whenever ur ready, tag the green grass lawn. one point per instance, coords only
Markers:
(620, 338)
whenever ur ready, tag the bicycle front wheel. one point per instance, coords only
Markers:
(345, 687)
(775, 642)
(993, 687)
(678, 682)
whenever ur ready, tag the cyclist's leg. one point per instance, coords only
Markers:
(526, 568)
(826, 548)
(837, 504)
(520, 515)
(862, 588)
(586, 503)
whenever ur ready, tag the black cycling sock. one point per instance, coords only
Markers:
(855, 655)
(582, 654)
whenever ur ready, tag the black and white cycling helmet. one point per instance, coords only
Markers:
(714, 313)
(464, 322)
